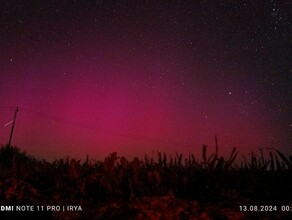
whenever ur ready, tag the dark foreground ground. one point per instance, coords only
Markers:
(169, 188)
(152, 207)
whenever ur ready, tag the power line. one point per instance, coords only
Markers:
(6, 108)
(141, 138)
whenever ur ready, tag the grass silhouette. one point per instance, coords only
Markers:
(116, 187)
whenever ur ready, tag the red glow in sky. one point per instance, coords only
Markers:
(95, 78)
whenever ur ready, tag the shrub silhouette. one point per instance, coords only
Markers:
(10, 155)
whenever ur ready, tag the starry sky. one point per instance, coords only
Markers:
(94, 77)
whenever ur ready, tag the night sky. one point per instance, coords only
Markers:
(94, 77)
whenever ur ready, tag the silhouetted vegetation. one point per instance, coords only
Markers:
(117, 187)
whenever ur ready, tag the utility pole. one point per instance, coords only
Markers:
(12, 128)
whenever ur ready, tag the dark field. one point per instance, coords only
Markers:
(212, 187)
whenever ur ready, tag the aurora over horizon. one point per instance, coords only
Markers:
(95, 77)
